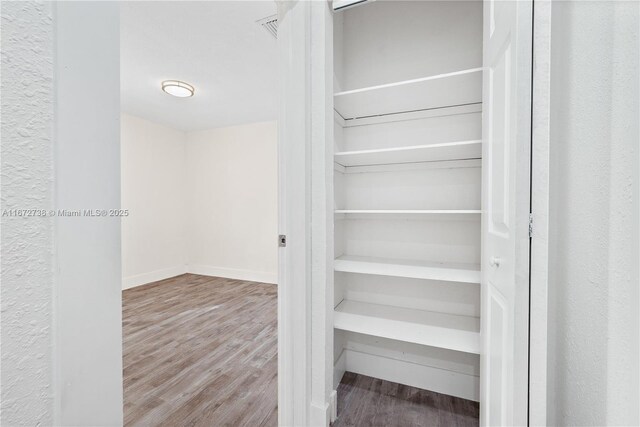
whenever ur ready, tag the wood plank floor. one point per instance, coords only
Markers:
(366, 401)
(200, 351)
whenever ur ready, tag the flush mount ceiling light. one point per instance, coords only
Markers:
(178, 88)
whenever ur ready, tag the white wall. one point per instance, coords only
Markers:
(88, 309)
(450, 31)
(232, 189)
(27, 390)
(201, 202)
(153, 190)
(593, 253)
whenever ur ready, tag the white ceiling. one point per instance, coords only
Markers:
(215, 45)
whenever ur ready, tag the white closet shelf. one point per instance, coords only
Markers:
(453, 332)
(460, 150)
(449, 272)
(442, 90)
(408, 211)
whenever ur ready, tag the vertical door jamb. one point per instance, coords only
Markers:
(294, 294)
(539, 267)
(323, 397)
(305, 145)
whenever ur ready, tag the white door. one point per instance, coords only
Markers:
(505, 248)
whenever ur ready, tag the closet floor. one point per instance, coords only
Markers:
(200, 351)
(366, 401)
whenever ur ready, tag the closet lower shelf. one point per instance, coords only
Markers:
(464, 273)
(453, 332)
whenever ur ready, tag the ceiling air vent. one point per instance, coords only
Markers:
(270, 23)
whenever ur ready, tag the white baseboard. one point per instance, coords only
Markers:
(320, 415)
(333, 399)
(412, 374)
(153, 276)
(233, 273)
(339, 368)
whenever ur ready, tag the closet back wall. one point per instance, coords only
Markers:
(200, 202)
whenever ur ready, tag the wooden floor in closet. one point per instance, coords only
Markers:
(200, 351)
(367, 401)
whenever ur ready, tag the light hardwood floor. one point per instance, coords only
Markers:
(200, 351)
(366, 401)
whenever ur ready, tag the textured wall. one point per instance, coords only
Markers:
(593, 290)
(26, 161)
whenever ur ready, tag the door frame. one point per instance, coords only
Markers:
(305, 156)
(293, 218)
(305, 395)
(539, 242)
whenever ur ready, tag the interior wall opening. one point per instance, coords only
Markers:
(199, 192)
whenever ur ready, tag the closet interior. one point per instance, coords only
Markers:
(407, 193)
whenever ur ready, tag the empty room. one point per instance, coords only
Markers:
(199, 220)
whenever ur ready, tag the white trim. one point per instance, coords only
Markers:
(333, 397)
(321, 178)
(339, 368)
(152, 276)
(87, 306)
(294, 275)
(233, 273)
(540, 209)
(412, 374)
(320, 415)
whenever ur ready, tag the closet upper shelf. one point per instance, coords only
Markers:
(463, 273)
(442, 90)
(450, 331)
(460, 150)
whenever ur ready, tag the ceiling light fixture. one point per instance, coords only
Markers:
(178, 88)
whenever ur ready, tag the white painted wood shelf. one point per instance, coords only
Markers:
(463, 273)
(409, 211)
(442, 90)
(453, 332)
(448, 151)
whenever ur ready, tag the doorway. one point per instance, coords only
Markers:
(199, 200)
